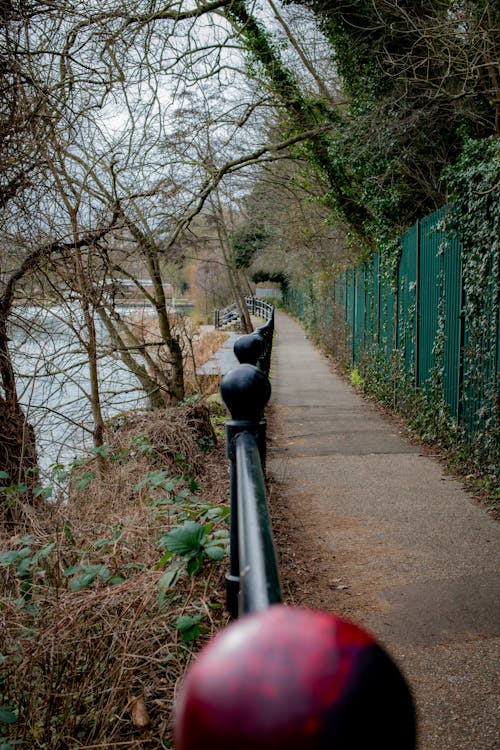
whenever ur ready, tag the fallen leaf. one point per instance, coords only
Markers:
(139, 713)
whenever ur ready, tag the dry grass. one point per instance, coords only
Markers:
(199, 343)
(97, 667)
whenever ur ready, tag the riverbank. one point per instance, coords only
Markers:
(108, 593)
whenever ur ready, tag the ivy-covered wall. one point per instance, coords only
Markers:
(419, 333)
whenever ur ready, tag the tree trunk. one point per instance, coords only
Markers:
(91, 349)
(152, 388)
(176, 386)
(18, 456)
(232, 271)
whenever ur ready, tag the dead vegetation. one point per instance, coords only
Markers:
(198, 343)
(99, 617)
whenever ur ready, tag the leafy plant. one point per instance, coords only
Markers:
(24, 562)
(193, 543)
(157, 479)
(356, 378)
(9, 492)
(101, 450)
(206, 443)
(143, 445)
(69, 633)
(83, 575)
(84, 479)
(8, 715)
(189, 627)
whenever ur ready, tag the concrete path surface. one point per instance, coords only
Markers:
(417, 559)
(223, 360)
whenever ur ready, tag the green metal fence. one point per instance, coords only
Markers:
(419, 308)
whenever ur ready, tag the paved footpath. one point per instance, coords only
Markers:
(418, 559)
(223, 360)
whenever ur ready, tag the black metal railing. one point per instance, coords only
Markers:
(252, 583)
(255, 348)
(230, 315)
(259, 308)
(226, 316)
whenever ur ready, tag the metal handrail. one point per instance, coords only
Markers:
(230, 314)
(259, 584)
(266, 332)
(259, 308)
(225, 315)
(252, 582)
(255, 348)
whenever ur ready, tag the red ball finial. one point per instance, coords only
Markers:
(294, 679)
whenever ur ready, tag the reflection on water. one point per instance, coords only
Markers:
(54, 383)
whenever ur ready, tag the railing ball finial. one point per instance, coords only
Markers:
(245, 390)
(294, 679)
(248, 348)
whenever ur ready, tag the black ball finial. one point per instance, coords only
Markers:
(245, 391)
(248, 348)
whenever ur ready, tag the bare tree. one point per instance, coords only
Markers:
(135, 121)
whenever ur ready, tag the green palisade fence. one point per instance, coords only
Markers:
(407, 332)
(428, 290)
(420, 309)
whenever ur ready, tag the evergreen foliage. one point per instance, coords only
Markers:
(247, 241)
(476, 218)
(419, 76)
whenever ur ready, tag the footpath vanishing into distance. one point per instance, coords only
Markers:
(402, 548)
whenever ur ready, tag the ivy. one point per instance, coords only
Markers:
(474, 180)
(398, 130)
(306, 113)
(247, 241)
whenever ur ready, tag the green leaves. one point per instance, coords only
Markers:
(9, 491)
(8, 715)
(44, 492)
(157, 479)
(192, 543)
(215, 552)
(188, 547)
(101, 450)
(192, 539)
(186, 540)
(86, 575)
(84, 479)
(25, 564)
(170, 577)
(247, 241)
(188, 627)
(475, 218)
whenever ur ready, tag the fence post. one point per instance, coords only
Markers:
(248, 348)
(245, 390)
